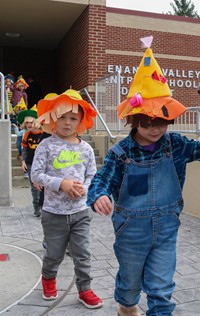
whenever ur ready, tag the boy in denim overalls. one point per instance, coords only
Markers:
(145, 173)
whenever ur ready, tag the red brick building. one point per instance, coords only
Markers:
(103, 39)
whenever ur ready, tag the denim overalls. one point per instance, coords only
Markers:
(146, 223)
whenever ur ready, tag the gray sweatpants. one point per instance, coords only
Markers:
(59, 230)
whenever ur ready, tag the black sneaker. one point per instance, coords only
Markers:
(37, 213)
(44, 244)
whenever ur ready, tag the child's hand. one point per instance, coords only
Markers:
(103, 205)
(37, 186)
(79, 188)
(24, 166)
(72, 188)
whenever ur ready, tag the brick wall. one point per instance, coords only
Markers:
(164, 43)
(106, 36)
(176, 53)
(81, 55)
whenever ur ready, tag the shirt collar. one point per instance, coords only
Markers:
(164, 141)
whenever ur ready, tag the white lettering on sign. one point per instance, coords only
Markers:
(179, 78)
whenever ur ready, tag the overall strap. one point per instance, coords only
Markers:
(121, 154)
(168, 148)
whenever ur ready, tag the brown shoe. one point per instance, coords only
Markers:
(128, 311)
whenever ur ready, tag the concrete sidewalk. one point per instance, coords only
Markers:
(21, 241)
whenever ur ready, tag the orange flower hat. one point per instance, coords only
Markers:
(53, 106)
(149, 93)
(21, 81)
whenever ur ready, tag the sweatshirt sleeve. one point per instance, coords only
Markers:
(38, 169)
(16, 130)
(90, 170)
(107, 180)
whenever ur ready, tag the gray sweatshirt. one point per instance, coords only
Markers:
(55, 160)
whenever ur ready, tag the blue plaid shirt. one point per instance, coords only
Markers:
(107, 181)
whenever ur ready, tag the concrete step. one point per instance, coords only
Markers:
(99, 166)
(16, 162)
(20, 181)
(99, 160)
(86, 137)
(14, 152)
(13, 145)
(17, 171)
(96, 152)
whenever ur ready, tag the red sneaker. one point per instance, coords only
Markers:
(49, 289)
(89, 299)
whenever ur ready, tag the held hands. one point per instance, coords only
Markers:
(73, 188)
(103, 205)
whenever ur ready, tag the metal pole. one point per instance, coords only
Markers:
(118, 95)
(99, 115)
(2, 95)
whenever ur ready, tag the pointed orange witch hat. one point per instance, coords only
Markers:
(149, 93)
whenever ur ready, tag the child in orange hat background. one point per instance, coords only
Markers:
(19, 97)
(64, 165)
(145, 174)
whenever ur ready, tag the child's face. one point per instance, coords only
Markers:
(149, 135)
(66, 125)
(21, 87)
(29, 125)
(8, 82)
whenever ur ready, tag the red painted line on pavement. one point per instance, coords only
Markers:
(4, 257)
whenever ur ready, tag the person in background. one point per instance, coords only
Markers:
(19, 97)
(145, 174)
(19, 131)
(64, 165)
(34, 91)
(9, 81)
(30, 141)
